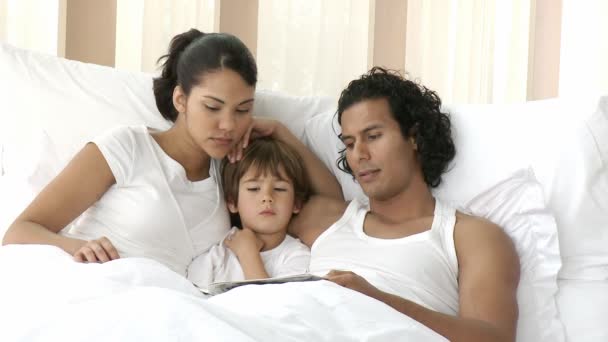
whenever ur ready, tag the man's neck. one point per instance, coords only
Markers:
(407, 205)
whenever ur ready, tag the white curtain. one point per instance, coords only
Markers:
(584, 48)
(472, 51)
(313, 47)
(144, 28)
(33, 24)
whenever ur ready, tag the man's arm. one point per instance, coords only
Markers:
(488, 279)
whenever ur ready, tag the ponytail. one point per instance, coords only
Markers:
(164, 85)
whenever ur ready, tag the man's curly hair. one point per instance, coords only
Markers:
(416, 109)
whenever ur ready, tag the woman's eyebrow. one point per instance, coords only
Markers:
(222, 101)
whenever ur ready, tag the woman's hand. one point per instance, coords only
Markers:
(260, 127)
(100, 250)
(244, 242)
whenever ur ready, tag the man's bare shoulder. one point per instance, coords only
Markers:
(476, 237)
(318, 214)
(475, 227)
(488, 273)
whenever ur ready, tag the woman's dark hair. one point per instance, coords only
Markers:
(193, 54)
(416, 109)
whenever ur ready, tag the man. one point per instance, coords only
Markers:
(454, 273)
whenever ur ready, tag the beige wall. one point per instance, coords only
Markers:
(240, 17)
(389, 33)
(90, 31)
(90, 35)
(543, 74)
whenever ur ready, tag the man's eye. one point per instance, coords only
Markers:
(374, 136)
(243, 111)
(349, 146)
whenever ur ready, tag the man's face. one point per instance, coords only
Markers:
(382, 160)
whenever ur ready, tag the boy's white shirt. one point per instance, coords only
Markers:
(220, 264)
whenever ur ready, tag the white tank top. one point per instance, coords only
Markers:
(422, 267)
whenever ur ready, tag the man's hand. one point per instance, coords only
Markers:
(244, 242)
(354, 282)
(100, 250)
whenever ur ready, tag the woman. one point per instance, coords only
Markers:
(156, 194)
(144, 192)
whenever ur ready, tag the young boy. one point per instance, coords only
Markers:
(263, 190)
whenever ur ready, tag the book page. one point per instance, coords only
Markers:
(221, 287)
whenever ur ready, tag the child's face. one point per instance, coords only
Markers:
(266, 202)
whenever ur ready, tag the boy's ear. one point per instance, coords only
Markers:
(297, 206)
(232, 207)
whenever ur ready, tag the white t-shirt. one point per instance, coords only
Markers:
(422, 267)
(218, 264)
(153, 210)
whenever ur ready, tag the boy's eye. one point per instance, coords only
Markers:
(253, 189)
(280, 189)
(243, 111)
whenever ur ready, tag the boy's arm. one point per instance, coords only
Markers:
(253, 266)
(246, 246)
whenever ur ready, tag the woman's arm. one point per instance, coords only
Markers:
(83, 181)
(323, 182)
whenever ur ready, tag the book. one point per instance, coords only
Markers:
(221, 287)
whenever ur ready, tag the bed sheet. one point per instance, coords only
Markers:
(583, 307)
(45, 296)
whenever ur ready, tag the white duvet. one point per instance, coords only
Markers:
(45, 296)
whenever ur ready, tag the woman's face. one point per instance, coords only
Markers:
(217, 111)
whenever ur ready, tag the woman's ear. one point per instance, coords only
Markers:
(179, 99)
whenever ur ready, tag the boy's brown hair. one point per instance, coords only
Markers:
(267, 155)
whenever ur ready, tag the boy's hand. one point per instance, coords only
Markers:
(100, 250)
(244, 242)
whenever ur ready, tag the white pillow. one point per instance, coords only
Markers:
(37, 166)
(517, 205)
(564, 140)
(74, 102)
(578, 194)
(321, 137)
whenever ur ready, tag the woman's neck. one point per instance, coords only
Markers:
(177, 144)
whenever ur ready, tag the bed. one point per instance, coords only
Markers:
(539, 169)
